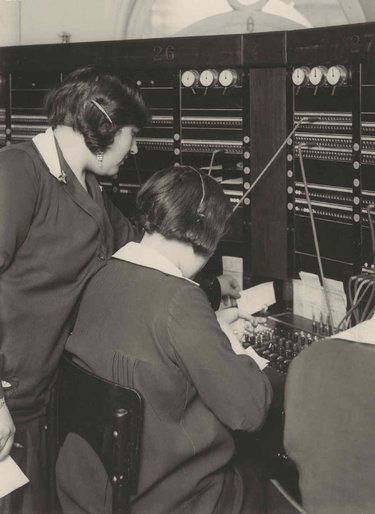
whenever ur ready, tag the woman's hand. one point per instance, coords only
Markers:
(228, 316)
(229, 321)
(7, 430)
(229, 286)
(231, 315)
(233, 320)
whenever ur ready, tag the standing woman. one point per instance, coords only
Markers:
(57, 229)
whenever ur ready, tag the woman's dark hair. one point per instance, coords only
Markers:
(184, 204)
(71, 103)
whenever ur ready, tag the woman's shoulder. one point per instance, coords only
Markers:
(23, 155)
(173, 288)
(22, 162)
(18, 149)
(178, 288)
(186, 295)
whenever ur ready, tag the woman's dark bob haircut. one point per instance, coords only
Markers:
(70, 104)
(184, 204)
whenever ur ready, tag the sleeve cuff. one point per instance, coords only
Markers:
(209, 283)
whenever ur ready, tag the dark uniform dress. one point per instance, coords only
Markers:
(54, 236)
(165, 342)
(329, 422)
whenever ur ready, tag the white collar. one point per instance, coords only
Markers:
(138, 253)
(46, 146)
(362, 333)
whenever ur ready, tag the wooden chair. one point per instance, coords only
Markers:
(109, 418)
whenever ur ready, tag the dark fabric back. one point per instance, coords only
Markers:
(329, 426)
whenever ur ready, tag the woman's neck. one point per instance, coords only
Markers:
(180, 254)
(74, 150)
(169, 249)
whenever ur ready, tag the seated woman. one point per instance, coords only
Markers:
(329, 422)
(144, 323)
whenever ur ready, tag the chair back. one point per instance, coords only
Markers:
(109, 418)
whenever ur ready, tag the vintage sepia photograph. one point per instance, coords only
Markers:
(187, 256)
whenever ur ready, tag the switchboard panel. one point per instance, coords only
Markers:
(201, 92)
(225, 104)
(331, 75)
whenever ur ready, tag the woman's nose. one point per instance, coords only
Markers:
(134, 147)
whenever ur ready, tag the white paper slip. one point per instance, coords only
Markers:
(233, 266)
(11, 476)
(309, 300)
(256, 298)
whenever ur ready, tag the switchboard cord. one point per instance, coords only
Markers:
(364, 284)
(360, 285)
(363, 288)
(302, 120)
(352, 286)
(345, 322)
(369, 309)
(212, 161)
(353, 302)
(316, 242)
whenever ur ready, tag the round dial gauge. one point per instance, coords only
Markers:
(208, 78)
(337, 75)
(300, 76)
(318, 75)
(228, 78)
(190, 78)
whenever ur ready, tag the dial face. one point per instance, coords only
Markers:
(189, 78)
(207, 78)
(299, 76)
(227, 78)
(317, 75)
(336, 75)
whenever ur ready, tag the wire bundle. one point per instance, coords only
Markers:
(361, 288)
